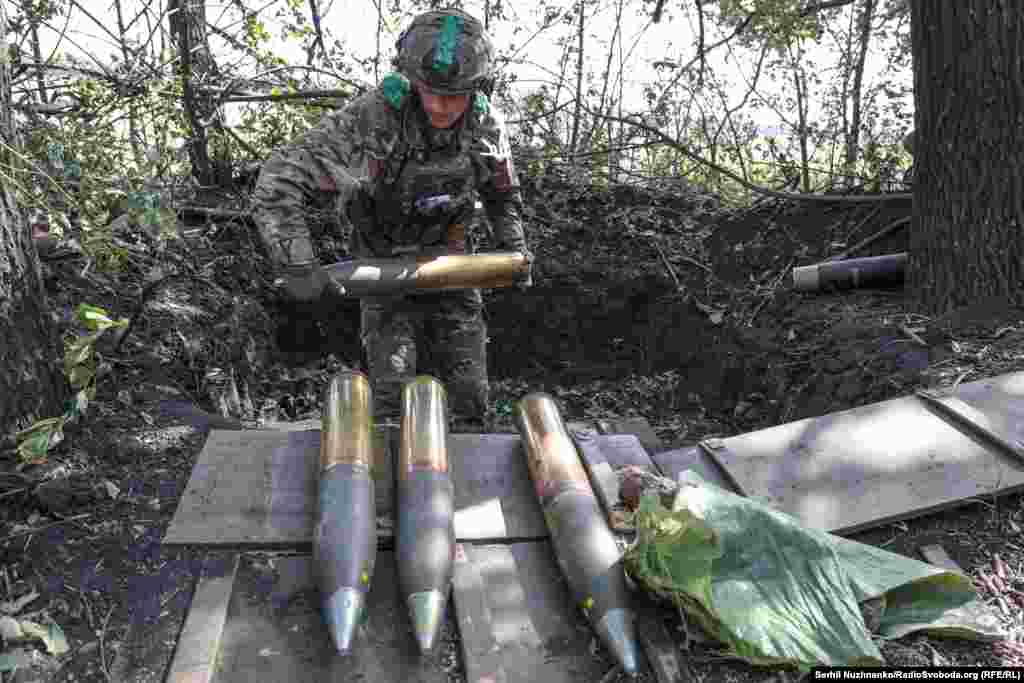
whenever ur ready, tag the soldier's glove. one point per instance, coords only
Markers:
(526, 282)
(298, 284)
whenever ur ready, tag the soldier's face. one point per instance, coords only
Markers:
(442, 110)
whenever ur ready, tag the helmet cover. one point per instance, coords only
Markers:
(446, 50)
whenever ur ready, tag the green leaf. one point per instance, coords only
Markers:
(81, 375)
(51, 635)
(79, 352)
(93, 317)
(33, 449)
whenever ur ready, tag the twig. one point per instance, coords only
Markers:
(610, 676)
(668, 266)
(870, 239)
(771, 295)
(44, 527)
(913, 336)
(103, 651)
(703, 266)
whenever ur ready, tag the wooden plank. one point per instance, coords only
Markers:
(638, 426)
(198, 647)
(516, 619)
(275, 632)
(661, 649)
(992, 410)
(873, 464)
(260, 488)
(602, 456)
(694, 458)
(494, 496)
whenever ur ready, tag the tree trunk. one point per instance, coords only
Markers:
(187, 20)
(853, 133)
(966, 237)
(579, 90)
(31, 387)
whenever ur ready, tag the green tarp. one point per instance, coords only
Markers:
(775, 592)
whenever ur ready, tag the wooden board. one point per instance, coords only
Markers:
(992, 410)
(661, 649)
(275, 632)
(494, 496)
(874, 464)
(694, 458)
(198, 648)
(259, 488)
(637, 426)
(601, 457)
(516, 619)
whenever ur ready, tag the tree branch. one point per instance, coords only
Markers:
(825, 4)
(682, 149)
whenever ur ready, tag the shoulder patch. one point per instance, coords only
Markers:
(396, 88)
(481, 104)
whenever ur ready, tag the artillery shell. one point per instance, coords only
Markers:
(426, 509)
(345, 538)
(385, 276)
(584, 545)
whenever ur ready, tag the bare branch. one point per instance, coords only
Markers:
(825, 4)
(684, 150)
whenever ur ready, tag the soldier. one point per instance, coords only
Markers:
(408, 159)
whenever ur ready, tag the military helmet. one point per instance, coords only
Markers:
(447, 50)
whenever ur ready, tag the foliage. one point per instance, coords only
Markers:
(81, 365)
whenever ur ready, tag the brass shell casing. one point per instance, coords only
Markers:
(423, 440)
(384, 276)
(550, 452)
(346, 436)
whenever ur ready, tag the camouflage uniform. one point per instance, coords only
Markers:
(409, 188)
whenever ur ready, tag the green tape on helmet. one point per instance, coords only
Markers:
(396, 88)
(447, 41)
(481, 104)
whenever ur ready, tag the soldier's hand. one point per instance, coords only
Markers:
(527, 282)
(299, 284)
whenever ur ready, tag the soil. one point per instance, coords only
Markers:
(655, 303)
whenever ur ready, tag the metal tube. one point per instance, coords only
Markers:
(345, 537)
(584, 545)
(879, 271)
(426, 509)
(388, 276)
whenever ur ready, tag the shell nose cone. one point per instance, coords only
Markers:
(343, 613)
(426, 610)
(618, 632)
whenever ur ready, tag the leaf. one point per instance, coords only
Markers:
(93, 317)
(52, 636)
(81, 376)
(79, 352)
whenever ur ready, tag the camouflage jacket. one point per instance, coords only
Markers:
(423, 180)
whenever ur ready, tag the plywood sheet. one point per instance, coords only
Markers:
(693, 459)
(992, 409)
(274, 631)
(874, 464)
(516, 618)
(638, 426)
(494, 496)
(602, 456)
(260, 488)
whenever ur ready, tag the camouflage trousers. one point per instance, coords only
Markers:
(454, 335)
